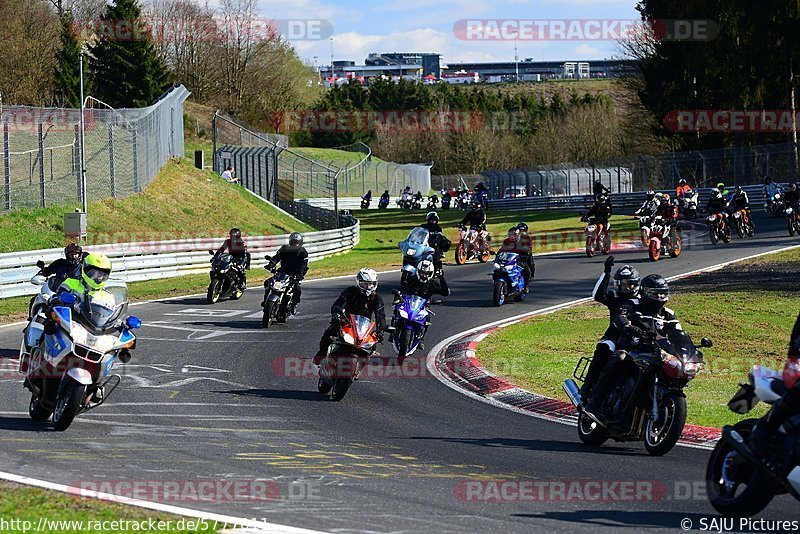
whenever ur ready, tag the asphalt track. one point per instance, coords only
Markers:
(208, 397)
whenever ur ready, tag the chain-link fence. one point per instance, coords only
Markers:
(743, 165)
(125, 149)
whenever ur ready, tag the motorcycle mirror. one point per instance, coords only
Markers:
(706, 343)
(133, 322)
(40, 264)
(68, 298)
(211, 252)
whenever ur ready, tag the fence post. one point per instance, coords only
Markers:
(214, 143)
(111, 165)
(77, 161)
(41, 164)
(7, 161)
(135, 164)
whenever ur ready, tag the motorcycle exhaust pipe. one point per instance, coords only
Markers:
(572, 391)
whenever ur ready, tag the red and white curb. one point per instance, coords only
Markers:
(453, 362)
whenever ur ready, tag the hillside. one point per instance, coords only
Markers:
(181, 203)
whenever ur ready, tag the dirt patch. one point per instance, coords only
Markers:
(782, 277)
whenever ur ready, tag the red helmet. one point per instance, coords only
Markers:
(791, 372)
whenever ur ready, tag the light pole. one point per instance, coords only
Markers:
(332, 74)
(317, 69)
(84, 200)
(516, 56)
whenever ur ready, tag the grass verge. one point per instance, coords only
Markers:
(748, 309)
(25, 508)
(181, 202)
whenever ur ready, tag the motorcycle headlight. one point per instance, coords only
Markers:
(737, 214)
(403, 314)
(691, 369)
(776, 197)
(279, 285)
(509, 268)
(788, 211)
(224, 270)
(591, 228)
(711, 218)
(411, 252)
(80, 335)
(348, 338)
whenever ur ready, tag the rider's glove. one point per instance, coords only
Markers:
(609, 264)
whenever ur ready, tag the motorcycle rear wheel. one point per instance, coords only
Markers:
(677, 248)
(37, 411)
(589, 432)
(756, 494)
(659, 440)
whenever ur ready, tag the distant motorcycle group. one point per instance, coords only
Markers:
(456, 198)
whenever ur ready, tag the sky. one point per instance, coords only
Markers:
(362, 26)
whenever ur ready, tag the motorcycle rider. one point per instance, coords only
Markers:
(668, 212)
(599, 189)
(601, 211)
(682, 190)
(360, 299)
(69, 266)
(648, 209)
(445, 199)
(476, 219)
(636, 333)
(294, 262)
(418, 197)
(367, 197)
(770, 188)
(238, 250)
(423, 283)
(626, 287)
(440, 244)
(385, 197)
(520, 242)
(481, 193)
(717, 205)
(433, 200)
(740, 201)
(724, 191)
(792, 197)
(765, 434)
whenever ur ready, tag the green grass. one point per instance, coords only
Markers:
(339, 158)
(749, 326)
(181, 202)
(198, 144)
(25, 503)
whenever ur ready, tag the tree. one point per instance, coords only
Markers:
(126, 69)
(67, 76)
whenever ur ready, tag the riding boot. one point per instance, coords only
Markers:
(763, 435)
(602, 354)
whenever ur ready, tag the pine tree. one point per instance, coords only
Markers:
(67, 79)
(127, 72)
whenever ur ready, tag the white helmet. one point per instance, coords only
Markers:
(367, 280)
(425, 270)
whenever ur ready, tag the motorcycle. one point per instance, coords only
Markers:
(365, 202)
(743, 224)
(278, 296)
(383, 203)
(432, 201)
(792, 220)
(417, 203)
(663, 241)
(349, 353)
(774, 205)
(689, 205)
(445, 201)
(738, 485)
(415, 248)
(410, 321)
(508, 279)
(404, 202)
(645, 221)
(471, 246)
(48, 288)
(227, 278)
(597, 239)
(651, 410)
(69, 350)
(482, 198)
(718, 229)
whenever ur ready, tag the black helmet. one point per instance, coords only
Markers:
(792, 186)
(654, 292)
(475, 205)
(513, 232)
(627, 281)
(651, 194)
(737, 188)
(432, 216)
(522, 227)
(235, 233)
(602, 198)
(768, 180)
(74, 253)
(295, 239)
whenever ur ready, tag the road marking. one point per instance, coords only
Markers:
(205, 312)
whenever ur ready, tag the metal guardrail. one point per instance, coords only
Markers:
(622, 203)
(135, 262)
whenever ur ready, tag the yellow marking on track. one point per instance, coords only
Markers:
(295, 444)
(402, 457)
(174, 394)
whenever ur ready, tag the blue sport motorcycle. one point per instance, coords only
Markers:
(508, 279)
(410, 321)
(415, 248)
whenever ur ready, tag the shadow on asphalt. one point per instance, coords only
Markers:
(187, 300)
(253, 324)
(23, 424)
(306, 395)
(622, 519)
(538, 445)
(11, 354)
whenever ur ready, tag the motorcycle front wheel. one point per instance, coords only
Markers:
(269, 311)
(589, 432)
(461, 254)
(677, 248)
(68, 404)
(214, 290)
(736, 489)
(340, 387)
(499, 294)
(661, 437)
(655, 250)
(712, 234)
(590, 246)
